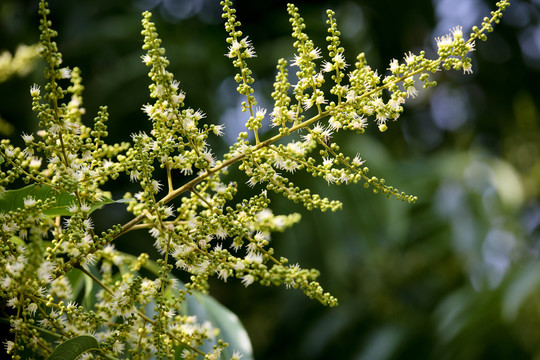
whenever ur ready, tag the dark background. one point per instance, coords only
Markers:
(455, 275)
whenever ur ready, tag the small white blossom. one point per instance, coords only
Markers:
(35, 163)
(233, 49)
(65, 73)
(394, 66)
(329, 178)
(88, 224)
(35, 90)
(334, 123)
(327, 66)
(218, 129)
(6, 282)
(29, 201)
(156, 186)
(10, 152)
(307, 103)
(13, 302)
(412, 92)
(344, 178)
(357, 161)
(254, 257)
(9, 345)
(209, 157)
(32, 308)
(315, 53)
(457, 32)
(147, 60)
(27, 137)
(319, 100)
(118, 347)
(467, 68)
(339, 59)
(409, 58)
(220, 233)
(328, 162)
(236, 355)
(247, 280)
(297, 60)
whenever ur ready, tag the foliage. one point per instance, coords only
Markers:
(135, 306)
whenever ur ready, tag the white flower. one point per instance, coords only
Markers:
(156, 186)
(220, 233)
(339, 59)
(290, 166)
(467, 68)
(35, 163)
(359, 122)
(218, 129)
(32, 308)
(329, 178)
(297, 60)
(320, 100)
(307, 103)
(207, 153)
(6, 282)
(168, 211)
(147, 60)
(327, 162)
(85, 207)
(254, 257)
(444, 41)
(10, 345)
(233, 49)
(409, 58)
(412, 92)
(334, 123)
(252, 181)
(34, 90)
(247, 280)
(357, 161)
(344, 178)
(315, 54)
(29, 201)
(351, 96)
(327, 66)
(65, 73)
(27, 138)
(236, 355)
(88, 225)
(260, 113)
(395, 103)
(394, 66)
(378, 103)
(13, 302)
(134, 175)
(457, 32)
(10, 152)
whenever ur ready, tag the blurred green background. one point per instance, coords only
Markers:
(454, 276)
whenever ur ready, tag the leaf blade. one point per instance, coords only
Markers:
(11, 200)
(71, 349)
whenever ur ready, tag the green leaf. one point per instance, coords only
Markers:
(71, 349)
(206, 308)
(11, 200)
(523, 283)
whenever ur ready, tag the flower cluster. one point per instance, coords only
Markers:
(20, 63)
(132, 305)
